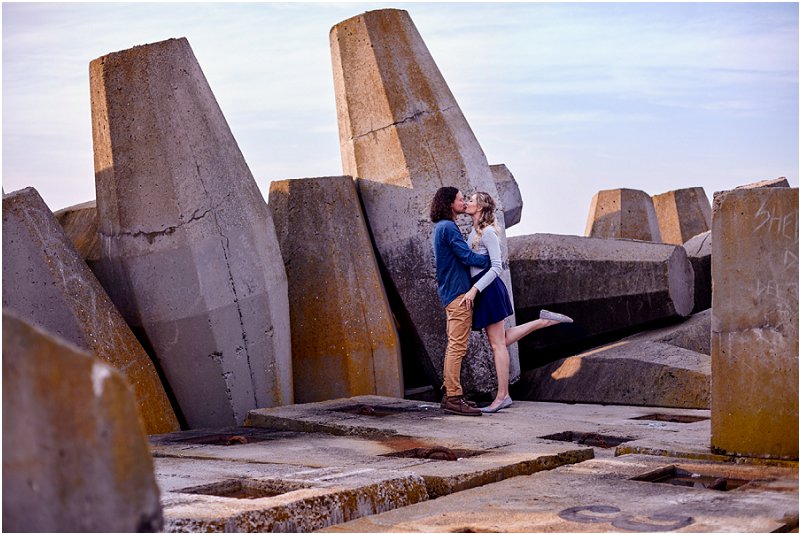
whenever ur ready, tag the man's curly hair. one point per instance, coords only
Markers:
(441, 205)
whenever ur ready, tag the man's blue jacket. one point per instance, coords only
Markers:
(453, 255)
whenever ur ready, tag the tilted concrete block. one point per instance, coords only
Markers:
(780, 182)
(511, 202)
(638, 372)
(604, 285)
(693, 333)
(682, 214)
(188, 248)
(80, 225)
(755, 322)
(402, 133)
(75, 457)
(699, 251)
(623, 213)
(344, 341)
(47, 283)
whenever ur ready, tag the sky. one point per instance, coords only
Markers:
(573, 97)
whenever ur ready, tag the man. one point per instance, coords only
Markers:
(453, 281)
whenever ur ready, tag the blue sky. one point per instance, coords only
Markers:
(573, 98)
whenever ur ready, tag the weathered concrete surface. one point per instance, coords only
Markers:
(682, 214)
(693, 333)
(47, 283)
(80, 225)
(780, 182)
(75, 457)
(189, 252)
(755, 322)
(344, 341)
(699, 251)
(402, 133)
(604, 285)
(623, 213)
(215, 495)
(510, 200)
(648, 373)
(601, 496)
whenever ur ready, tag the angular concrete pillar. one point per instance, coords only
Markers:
(755, 322)
(604, 285)
(75, 457)
(699, 251)
(188, 248)
(511, 202)
(402, 133)
(682, 214)
(623, 213)
(47, 283)
(344, 341)
(80, 225)
(780, 182)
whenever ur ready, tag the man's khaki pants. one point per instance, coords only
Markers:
(460, 319)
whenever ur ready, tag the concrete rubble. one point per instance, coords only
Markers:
(188, 248)
(623, 214)
(344, 343)
(780, 182)
(699, 251)
(606, 286)
(509, 198)
(403, 135)
(75, 457)
(682, 214)
(755, 322)
(47, 283)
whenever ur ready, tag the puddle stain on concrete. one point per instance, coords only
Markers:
(658, 522)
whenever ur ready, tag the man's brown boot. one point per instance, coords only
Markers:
(445, 396)
(458, 405)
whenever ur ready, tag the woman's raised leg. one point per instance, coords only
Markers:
(513, 334)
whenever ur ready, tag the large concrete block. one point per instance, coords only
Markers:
(755, 322)
(402, 133)
(511, 202)
(643, 373)
(699, 251)
(47, 283)
(344, 341)
(682, 214)
(780, 182)
(605, 285)
(80, 225)
(75, 457)
(623, 213)
(188, 248)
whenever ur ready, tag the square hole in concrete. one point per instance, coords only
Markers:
(589, 439)
(673, 475)
(675, 418)
(435, 453)
(227, 436)
(245, 489)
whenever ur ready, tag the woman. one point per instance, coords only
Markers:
(492, 303)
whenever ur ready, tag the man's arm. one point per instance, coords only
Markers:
(463, 252)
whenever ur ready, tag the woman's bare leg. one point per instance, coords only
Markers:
(513, 334)
(497, 340)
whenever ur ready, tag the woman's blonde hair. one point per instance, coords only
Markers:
(487, 205)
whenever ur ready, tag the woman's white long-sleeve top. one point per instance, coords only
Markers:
(487, 245)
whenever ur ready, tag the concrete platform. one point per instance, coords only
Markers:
(602, 495)
(348, 465)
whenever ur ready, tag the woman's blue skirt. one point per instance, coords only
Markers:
(492, 305)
